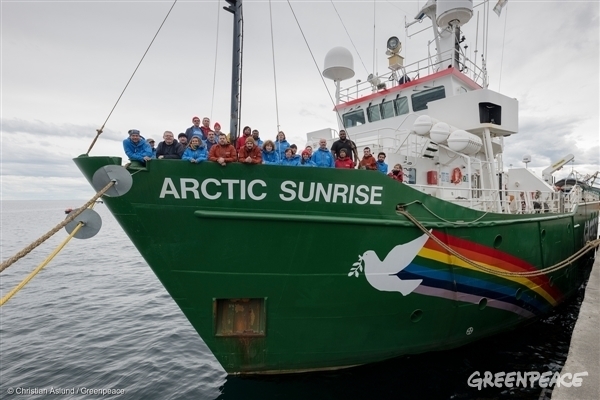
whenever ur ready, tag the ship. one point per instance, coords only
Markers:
(284, 269)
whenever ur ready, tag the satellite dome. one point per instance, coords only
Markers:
(339, 64)
(457, 11)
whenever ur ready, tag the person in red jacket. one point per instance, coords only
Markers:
(343, 161)
(222, 152)
(368, 161)
(397, 173)
(250, 153)
(242, 139)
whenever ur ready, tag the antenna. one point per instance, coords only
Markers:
(526, 159)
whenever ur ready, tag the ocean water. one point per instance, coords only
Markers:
(97, 318)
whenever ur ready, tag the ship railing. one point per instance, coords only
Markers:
(573, 197)
(418, 69)
(533, 202)
(511, 202)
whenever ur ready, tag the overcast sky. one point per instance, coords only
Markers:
(65, 63)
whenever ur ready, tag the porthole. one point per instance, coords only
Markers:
(497, 241)
(543, 233)
(482, 303)
(416, 316)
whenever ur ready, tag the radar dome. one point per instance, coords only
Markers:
(339, 64)
(459, 11)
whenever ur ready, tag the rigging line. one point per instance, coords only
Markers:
(274, 72)
(487, 27)
(212, 103)
(347, 33)
(374, 55)
(132, 75)
(316, 64)
(241, 69)
(502, 54)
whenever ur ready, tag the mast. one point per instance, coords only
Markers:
(235, 7)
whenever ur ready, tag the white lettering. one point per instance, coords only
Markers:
(562, 381)
(360, 192)
(544, 378)
(301, 192)
(168, 188)
(242, 190)
(351, 195)
(230, 183)
(184, 187)
(521, 380)
(576, 378)
(340, 190)
(474, 380)
(284, 188)
(487, 379)
(289, 191)
(251, 192)
(205, 193)
(375, 195)
(510, 377)
(321, 191)
(533, 376)
(498, 379)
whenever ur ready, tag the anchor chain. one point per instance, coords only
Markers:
(74, 214)
(587, 247)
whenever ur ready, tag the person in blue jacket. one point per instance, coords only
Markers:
(269, 155)
(196, 151)
(322, 157)
(136, 147)
(289, 159)
(281, 145)
(381, 165)
(305, 161)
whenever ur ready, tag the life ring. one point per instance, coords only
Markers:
(456, 176)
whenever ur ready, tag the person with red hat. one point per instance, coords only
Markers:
(305, 160)
(194, 129)
(217, 129)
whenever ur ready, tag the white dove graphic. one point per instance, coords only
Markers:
(382, 274)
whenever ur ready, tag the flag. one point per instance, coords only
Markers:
(499, 6)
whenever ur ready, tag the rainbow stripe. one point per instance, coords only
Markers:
(446, 276)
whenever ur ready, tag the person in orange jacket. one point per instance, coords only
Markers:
(368, 161)
(250, 153)
(223, 152)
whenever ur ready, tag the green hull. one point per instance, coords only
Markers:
(267, 274)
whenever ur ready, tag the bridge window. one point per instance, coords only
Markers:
(387, 109)
(374, 113)
(354, 118)
(420, 100)
(401, 105)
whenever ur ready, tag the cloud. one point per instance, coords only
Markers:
(46, 129)
(64, 64)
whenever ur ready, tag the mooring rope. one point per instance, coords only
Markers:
(527, 274)
(58, 227)
(33, 273)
